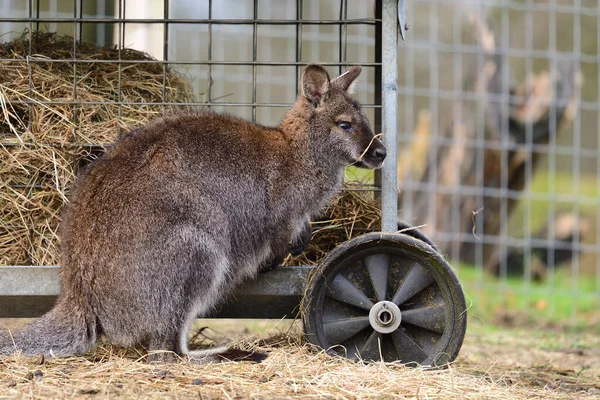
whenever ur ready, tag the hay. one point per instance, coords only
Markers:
(48, 131)
(499, 365)
(352, 213)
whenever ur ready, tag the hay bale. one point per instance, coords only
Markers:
(55, 117)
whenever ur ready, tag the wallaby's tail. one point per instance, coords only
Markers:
(65, 330)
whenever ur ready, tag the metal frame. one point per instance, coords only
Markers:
(275, 295)
(28, 291)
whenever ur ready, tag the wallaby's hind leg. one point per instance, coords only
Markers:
(215, 354)
(164, 348)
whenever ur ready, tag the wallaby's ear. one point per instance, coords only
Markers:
(315, 84)
(347, 80)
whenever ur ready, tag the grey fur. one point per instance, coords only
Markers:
(177, 213)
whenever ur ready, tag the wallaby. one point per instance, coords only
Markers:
(175, 214)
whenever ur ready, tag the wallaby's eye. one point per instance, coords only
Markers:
(347, 126)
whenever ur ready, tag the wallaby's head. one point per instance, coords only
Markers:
(338, 118)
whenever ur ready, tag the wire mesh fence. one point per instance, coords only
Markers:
(499, 107)
(498, 116)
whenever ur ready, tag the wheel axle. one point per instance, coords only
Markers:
(385, 317)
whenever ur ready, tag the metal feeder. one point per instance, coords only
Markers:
(382, 296)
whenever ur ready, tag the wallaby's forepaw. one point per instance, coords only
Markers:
(271, 265)
(299, 244)
(297, 248)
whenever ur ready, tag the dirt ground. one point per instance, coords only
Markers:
(494, 363)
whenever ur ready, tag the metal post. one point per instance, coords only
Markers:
(389, 104)
(377, 110)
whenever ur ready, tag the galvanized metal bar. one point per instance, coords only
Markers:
(341, 30)
(165, 52)
(377, 70)
(254, 58)
(29, 291)
(597, 243)
(389, 103)
(100, 20)
(576, 163)
(120, 46)
(29, 281)
(299, 6)
(162, 103)
(80, 25)
(29, 56)
(210, 38)
(75, 107)
(37, 25)
(188, 62)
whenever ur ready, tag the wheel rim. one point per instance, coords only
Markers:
(387, 299)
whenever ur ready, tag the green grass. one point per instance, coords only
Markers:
(564, 183)
(354, 174)
(559, 301)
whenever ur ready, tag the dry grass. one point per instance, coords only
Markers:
(492, 365)
(350, 214)
(45, 138)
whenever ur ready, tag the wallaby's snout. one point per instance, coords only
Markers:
(372, 152)
(379, 154)
(373, 156)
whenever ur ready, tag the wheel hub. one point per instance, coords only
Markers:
(385, 317)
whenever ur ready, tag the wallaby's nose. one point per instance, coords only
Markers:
(380, 153)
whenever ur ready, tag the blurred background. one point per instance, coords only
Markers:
(498, 119)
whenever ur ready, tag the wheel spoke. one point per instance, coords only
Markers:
(431, 318)
(343, 290)
(417, 279)
(408, 350)
(334, 311)
(340, 330)
(370, 350)
(377, 265)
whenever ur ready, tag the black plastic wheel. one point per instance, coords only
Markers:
(385, 296)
